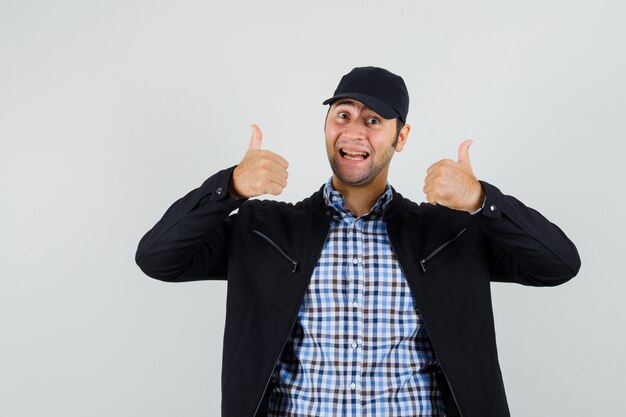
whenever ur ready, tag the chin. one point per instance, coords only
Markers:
(353, 179)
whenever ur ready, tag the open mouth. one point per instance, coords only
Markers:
(353, 155)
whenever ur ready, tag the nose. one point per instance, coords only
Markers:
(355, 130)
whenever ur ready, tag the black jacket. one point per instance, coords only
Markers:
(268, 250)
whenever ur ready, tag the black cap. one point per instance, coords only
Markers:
(377, 88)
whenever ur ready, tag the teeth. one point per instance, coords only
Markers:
(354, 155)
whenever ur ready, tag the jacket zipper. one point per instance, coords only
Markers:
(424, 321)
(294, 264)
(293, 323)
(439, 249)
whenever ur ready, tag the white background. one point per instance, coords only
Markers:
(111, 110)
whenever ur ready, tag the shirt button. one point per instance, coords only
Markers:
(353, 386)
(354, 345)
(492, 208)
(355, 303)
(355, 260)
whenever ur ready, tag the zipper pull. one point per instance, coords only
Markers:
(423, 265)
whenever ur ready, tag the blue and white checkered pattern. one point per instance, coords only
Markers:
(358, 347)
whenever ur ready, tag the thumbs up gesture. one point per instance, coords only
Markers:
(453, 184)
(259, 172)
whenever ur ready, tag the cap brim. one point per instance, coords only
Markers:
(373, 103)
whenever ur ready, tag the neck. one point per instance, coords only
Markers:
(360, 199)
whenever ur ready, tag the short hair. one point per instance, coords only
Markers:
(399, 126)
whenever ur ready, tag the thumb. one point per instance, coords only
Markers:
(255, 140)
(464, 157)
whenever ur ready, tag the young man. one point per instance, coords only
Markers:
(357, 301)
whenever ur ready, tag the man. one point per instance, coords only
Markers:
(357, 301)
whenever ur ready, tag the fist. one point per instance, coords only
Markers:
(453, 184)
(259, 172)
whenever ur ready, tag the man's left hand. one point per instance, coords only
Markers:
(453, 184)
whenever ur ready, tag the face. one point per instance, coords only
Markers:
(360, 143)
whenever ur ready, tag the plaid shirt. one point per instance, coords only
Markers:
(359, 347)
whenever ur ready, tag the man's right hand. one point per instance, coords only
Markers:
(259, 172)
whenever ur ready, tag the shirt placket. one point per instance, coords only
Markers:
(355, 336)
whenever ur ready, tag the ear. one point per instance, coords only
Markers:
(402, 137)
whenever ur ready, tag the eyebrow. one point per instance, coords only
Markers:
(347, 102)
(353, 103)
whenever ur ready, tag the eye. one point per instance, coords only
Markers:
(342, 115)
(373, 120)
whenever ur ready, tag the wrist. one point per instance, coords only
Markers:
(232, 190)
(478, 198)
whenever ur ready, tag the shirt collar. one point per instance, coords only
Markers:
(334, 199)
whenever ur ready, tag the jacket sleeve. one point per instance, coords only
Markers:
(190, 241)
(525, 246)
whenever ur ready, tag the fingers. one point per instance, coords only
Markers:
(276, 188)
(258, 177)
(260, 171)
(443, 162)
(269, 182)
(463, 157)
(276, 159)
(268, 159)
(429, 182)
(275, 176)
(255, 140)
(255, 145)
(452, 183)
(435, 188)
